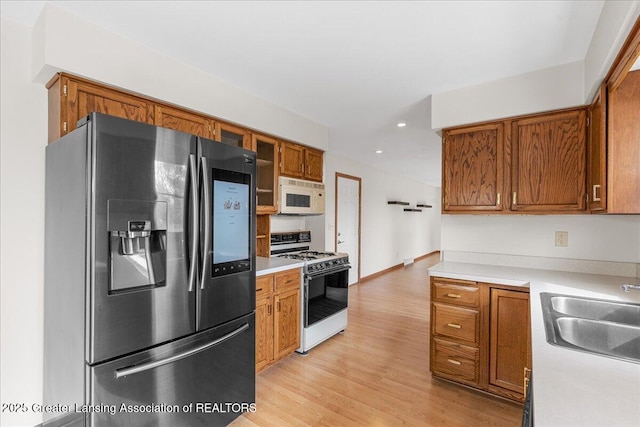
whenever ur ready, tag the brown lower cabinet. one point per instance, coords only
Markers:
(480, 335)
(277, 316)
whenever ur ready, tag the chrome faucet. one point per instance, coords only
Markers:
(627, 287)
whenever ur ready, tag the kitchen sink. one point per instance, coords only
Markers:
(601, 327)
(597, 309)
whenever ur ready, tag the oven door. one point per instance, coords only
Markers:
(325, 294)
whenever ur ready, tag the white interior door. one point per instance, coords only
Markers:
(348, 222)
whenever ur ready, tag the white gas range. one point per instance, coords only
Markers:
(324, 297)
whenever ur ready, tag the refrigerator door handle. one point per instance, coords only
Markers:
(206, 253)
(195, 216)
(136, 369)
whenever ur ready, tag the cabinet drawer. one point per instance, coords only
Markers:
(456, 293)
(287, 280)
(455, 360)
(264, 285)
(456, 322)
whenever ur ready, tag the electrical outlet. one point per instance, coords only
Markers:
(562, 238)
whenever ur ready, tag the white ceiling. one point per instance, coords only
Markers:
(357, 67)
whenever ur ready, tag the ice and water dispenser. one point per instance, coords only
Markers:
(137, 244)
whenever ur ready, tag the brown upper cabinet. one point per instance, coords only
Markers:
(184, 121)
(313, 164)
(233, 135)
(301, 162)
(472, 168)
(614, 135)
(291, 160)
(548, 163)
(71, 99)
(266, 149)
(623, 153)
(533, 163)
(597, 152)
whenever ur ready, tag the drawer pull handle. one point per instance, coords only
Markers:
(455, 362)
(454, 296)
(258, 290)
(454, 325)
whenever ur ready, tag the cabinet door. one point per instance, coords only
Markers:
(623, 146)
(264, 332)
(549, 163)
(597, 152)
(509, 342)
(263, 235)
(183, 121)
(233, 135)
(472, 168)
(267, 173)
(83, 98)
(313, 164)
(291, 160)
(287, 323)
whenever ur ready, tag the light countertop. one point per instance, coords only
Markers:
(266, 266)
(570, 388)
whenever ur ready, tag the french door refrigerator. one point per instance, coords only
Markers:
(149, 277)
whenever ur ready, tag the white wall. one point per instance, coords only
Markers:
(388, 234)
(553, 88)
(591, 237)
(542, 90)
(23, 136)
(65, 42)
(615, 23)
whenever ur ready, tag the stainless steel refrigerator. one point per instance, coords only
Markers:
(149, 277)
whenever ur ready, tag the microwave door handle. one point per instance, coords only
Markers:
(195, 216)
(206, 253)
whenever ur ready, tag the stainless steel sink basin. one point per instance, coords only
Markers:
(597, 309)
(606, 328)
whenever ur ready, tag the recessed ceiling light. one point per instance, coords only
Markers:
(401, 124)
(378, 151)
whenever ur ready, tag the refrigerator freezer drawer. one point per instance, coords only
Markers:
(206, 379)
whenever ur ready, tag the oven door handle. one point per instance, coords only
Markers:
(325, 272)
(305, 304)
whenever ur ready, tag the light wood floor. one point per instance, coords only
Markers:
(377, 372)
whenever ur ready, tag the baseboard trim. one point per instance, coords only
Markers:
(427, 255)
(394, 267)
(380, 273)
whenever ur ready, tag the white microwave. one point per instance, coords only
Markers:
(300, 197)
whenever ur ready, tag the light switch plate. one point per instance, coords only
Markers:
(562, 238)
